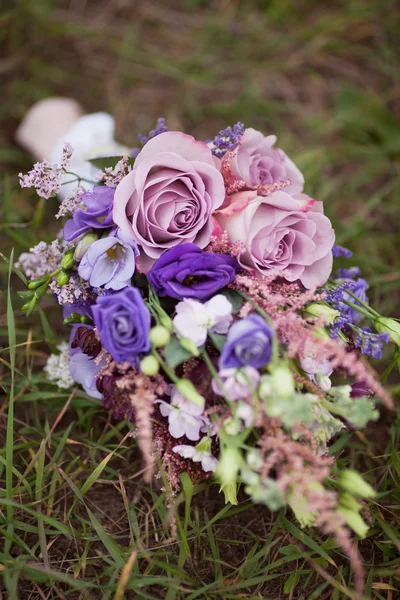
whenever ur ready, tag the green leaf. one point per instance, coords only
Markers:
(175, 354)
(218, 340)
(105, 162)
(234, 298)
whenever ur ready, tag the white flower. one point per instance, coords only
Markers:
(198, 454)
(237, 383)
(57, 367)
(318, 370)
(194, 320)
(184, 417)
(91, 136)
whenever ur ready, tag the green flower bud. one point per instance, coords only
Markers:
(68, 260)
(254, 459)
(230, 493)
(159, 336)
(316, 310)
(352, 482)
(33, 285)
(390, 326)
(40, 291)
(84, 245)
(85, 320)
(227, 473)
(166, 322)
(149, 365)
(282, 382)
(63, 278)
(188, 345)
(348, 501)
(354, 520)
(232, 426)
(188, 391)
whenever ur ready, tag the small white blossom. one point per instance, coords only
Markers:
(198, 453)
(237, 383)
(184, 417)
(57, 367)
(194, 320)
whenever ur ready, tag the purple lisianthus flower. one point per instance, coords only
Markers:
(123, 322)
(97, 213)
(84, 370)
(109, 262)
(249, 343)
(187, 271)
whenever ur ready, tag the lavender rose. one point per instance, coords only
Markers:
(169, 196)
(186, 271)
(282, 233)
(258, 163)
(109, 263)
(123, 322)
(249, 343)
(96, 215)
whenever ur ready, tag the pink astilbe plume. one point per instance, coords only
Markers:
(300, 473)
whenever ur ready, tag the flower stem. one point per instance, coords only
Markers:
(164, 366)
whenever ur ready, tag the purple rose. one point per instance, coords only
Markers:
(109, 263)
(281, 233)
(169, 196)
(97, 213)
(123, 322)
(186, 271)
(249, 343)
(258, 163)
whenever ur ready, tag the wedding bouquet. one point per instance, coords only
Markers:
(200, 301)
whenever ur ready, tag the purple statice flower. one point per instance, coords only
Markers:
(370, 344)
(227, 139)
(187, 271)
(359, 288)
(97, 214)
(335, 295)
(249, 343)
(341, 251)
(160, 128)
(123, 323)
(108, 263)
(46, 179)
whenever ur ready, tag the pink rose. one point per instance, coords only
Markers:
(169, 196)
(281, 232)
(257, 163)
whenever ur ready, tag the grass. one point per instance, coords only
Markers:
(76, 520)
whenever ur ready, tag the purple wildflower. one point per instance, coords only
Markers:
(350, 273)
(109, 263)
(341, 251)
(97, 214)
(370, 344)
(227, 139)
(160, 128)
(249, 343)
